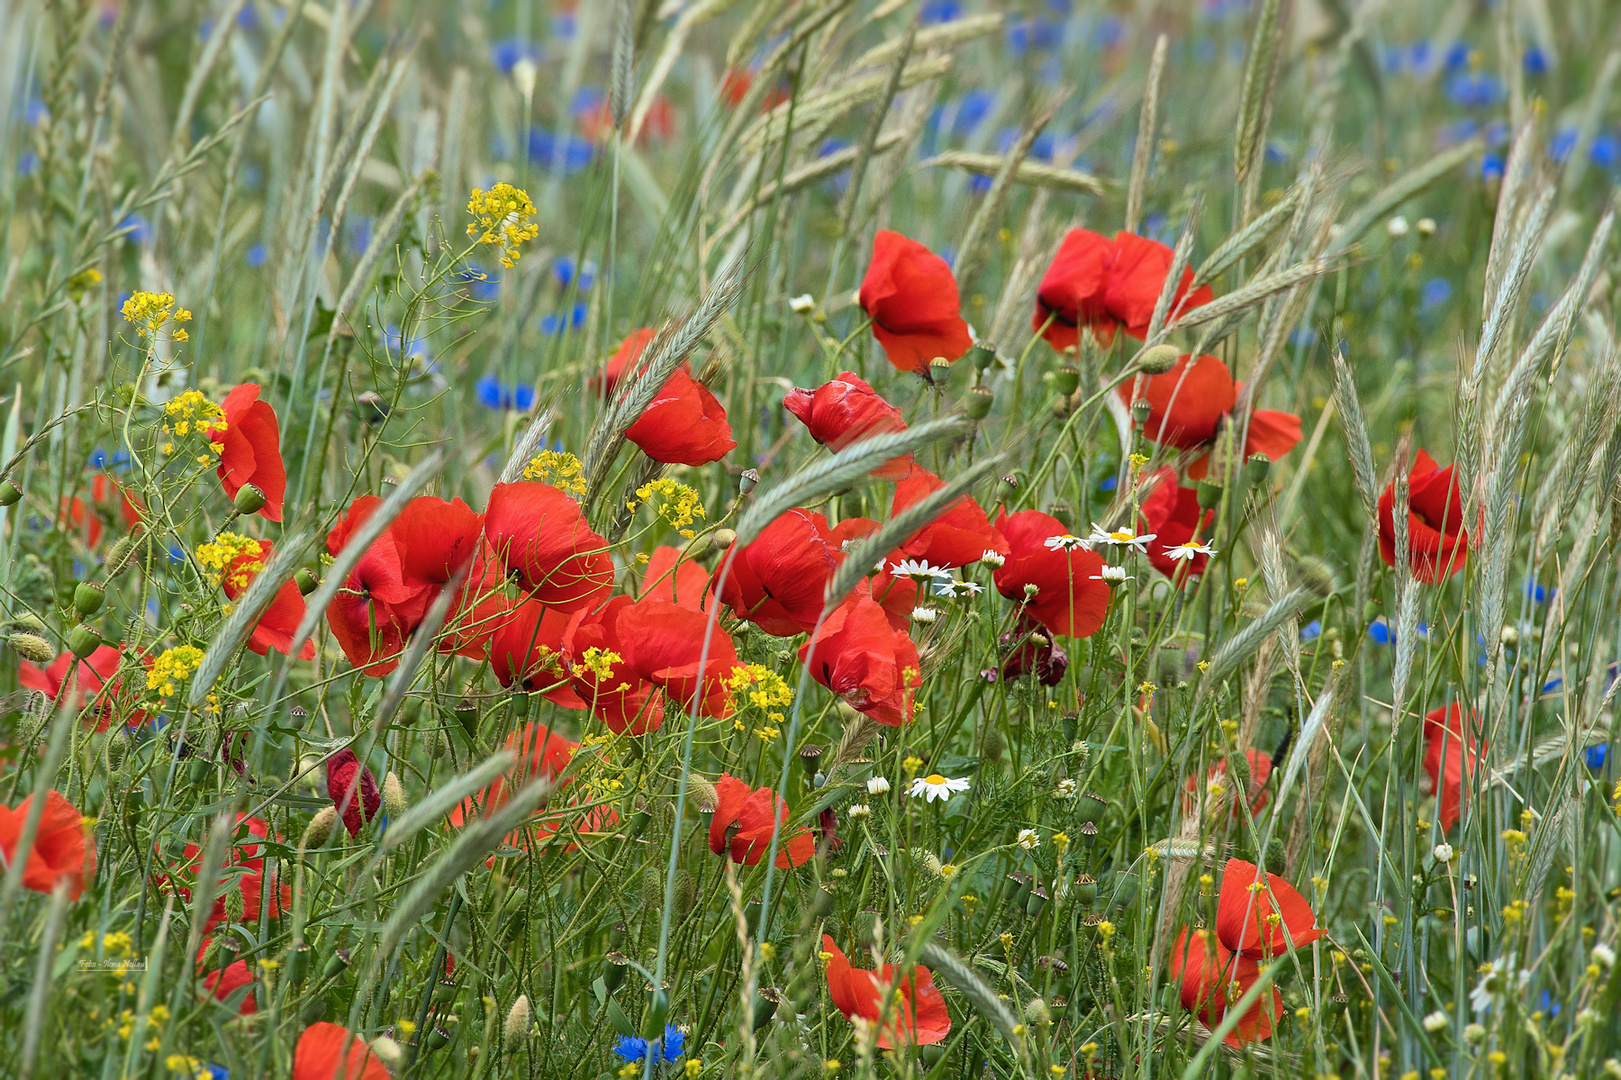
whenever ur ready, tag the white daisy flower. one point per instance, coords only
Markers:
(992, 559)
(1068, 788)
(1181, 552)
(858, 811)
(1112, 575)
(802, 303)
(1122, 537)
(958, 588)
(925, 614)
(934, 786)
(1443, 853)
(878, 785)
(1029, 839)
(919, 570)
(1064, 542)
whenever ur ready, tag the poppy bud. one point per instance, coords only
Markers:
(394, 804)
(1139, 412)
(28, 623)
(766, 1001)
(307, 581)
(1209, 494)
(1067, 379)
(1158, 360)
(10, 493)
(212, 955)
(88, 598)
(298, 963)
(980, 400)
(685, 893)
(1036, 1012)
(658, 1010)
(518, 1020)
(1090, 806)
(250, 499)
(235, 903)
(748, 481)
(982, 356)
(438, 1038)
(31, 647)
(1317, 575)
(387, 1051)
(83, 640)
(1370, 611)
(1256, 469)
(319, 830)
(467, 716)
(121, 556)
(721, 539)
(1085, 889)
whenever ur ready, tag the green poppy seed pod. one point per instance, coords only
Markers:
(299, 959)
(1008, 486)
(467, 716)
(1370, 611)
(312, 1013)
(982, 356)
(518, 1021)
(1256, 469)
(864, 923)
(1139, 412)
(306, 580)
(1158, 360)
(1209, 494)
(939, 370)
(1067, 379)
(444, 993)
(121, 556)
(1071, 724)
(249, 499)
(197, 772)
(748, 481)
(934, 1055)
(658, 1011)
(236, 905)
(83, 640)
(1090, 806)
(766, 1000)
(394, 804)
(1085, 889)
(32, 647)
(520, 704)
(1064, 513)
(1035, 902)
(980, 400)
(810, 756)
(438, 1038)
(613, 972)
(88, 598)
(1125, 890)
(10, 494)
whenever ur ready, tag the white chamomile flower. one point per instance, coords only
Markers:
(1443, 853)
(1122, 537)
(992, 559)
(1603, 954)
(958, 588)
(802, 303)
(934, 786)
(1396, 227)
(1182, 552)
(1112, 575)
(858, 811)
(1029, 839)
(925, 614)
(1436, 1021)
(1068, 788)
(919, 570)
(878, 785)
(1064, 542)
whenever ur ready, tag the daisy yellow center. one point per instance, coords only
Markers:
(1121, 534)
(935, 779)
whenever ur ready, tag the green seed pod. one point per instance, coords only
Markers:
(1209, 494)
(467, 716)
(10, 493)
(249, 499)
(32, 647)
(748, 481)
(1085, 889)
(766, 1000)
(1067, 379)
(1064, 513)
(1256, 469)
(613, 972)
(810, 756)
(336, 964)
(306, 580)
(864, 923)
(83, 640)
(658, 1010)
(438, 1038)
(1090, 806)
(444, 994)
(312, 1013)
(939, 371)
(982, 355)
(299, 961)
(1036, 902)
(1139, 412)
(980, 400)
(1158, 360)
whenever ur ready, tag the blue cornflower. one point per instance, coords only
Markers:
(940, 11)
(556, 324)
(1562, 143)
(586, 99)
(140, 230)
(971, 111)
(1457, 56)
(839, 182)
(27, 162)
(1598, 755)
(1535, 61)
(1379, 631)
(1303, 337)
(257, 255)
(1538, 593)
(559, 151)
(1605, 151)
(1109, 483)
(506, 53)
(1311, 631)
(1436, 292)
(494, 394)
(671, 1047)
(1475, 90)
(1491, 167)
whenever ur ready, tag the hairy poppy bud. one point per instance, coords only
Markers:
(387, 1051)
(121, 556)
(1209, 494)
(236, 904)
(306, 580)
(319, 830)
(88, 598)
(1036, 1012)
(518, 1019)
(250, 499)
(394, 803)
(748, 481)
(83, 640)
(721, 539)
(686, 892)
(1257, 468)
(1158, 360)
(980, 400)
(1067, 379)
(9, 493)
(982, 355)
(28, 623)
(31, 647)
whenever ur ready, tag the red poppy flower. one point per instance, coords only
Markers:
(859, 656)
(778, 582)
(86, 685)
(1108, 285)
(911, 297)
(1069, 599)
(666, 643)
(353, 790)
(674, 580)
(743, 824)
(955, 538)
(63, 848)
(250, 449)
(74, 518)
(244, 869)
(1212, 978)
(527, 650)
(602, 678)
(331, 1052)
(1260, 769)
(111, 498)
(1450, 757)
(684, 424)
(623, 363)
(540, 752)
(280, 620)
(1171, 513)
(896, 595)
(1437, 542)
(1261, 921)
(916, 1012)
(225, 981)
(596, 123)
(542, 536)
(1188, 404)
(845, 411)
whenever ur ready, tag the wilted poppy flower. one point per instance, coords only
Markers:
(957, 537)
(1259, 921)
(1437, 542)
(1108, 285)
(859, 656)
(1211, 978)
(86, 685)
(912, 1011)
(1069, 596)
(679, 581)
(1188, 404)
(1026, 656)
(1260, 770)
(279, 622)
(683, 424)
(353, 790)
(244, 869)
(1170, 513)
(778, 581)
(845, 411)
(623, 363)
(603, 678)
(250, 449)
(911, 297)
(667, 643)
(743, 824)
(63, 848)
(1450, 758)
(543, 538)
(331, 1052)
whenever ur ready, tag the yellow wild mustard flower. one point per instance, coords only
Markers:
(148, 311)
(558, 468)
(189, 412)
(503, 219)
(216, 557)
(173, 666)
(673, 501)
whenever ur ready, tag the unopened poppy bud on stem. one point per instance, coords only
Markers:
(387, 1051)
(236, 905)
(88, 598)
(83, 640)
(31, 647)
(121, 556)
(394, 803)
(319, 830)
(250, 499)
(1158, 360)
(518, 1019)
(721, 539)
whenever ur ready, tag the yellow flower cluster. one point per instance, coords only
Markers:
(175, 665)
(501, 219)
(559, 469)
(218, 554)
(766, 689)
(148, 311)
(600, 662)
(677, 504)
(192, 411)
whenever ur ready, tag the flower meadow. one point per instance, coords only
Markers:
(810, 538)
